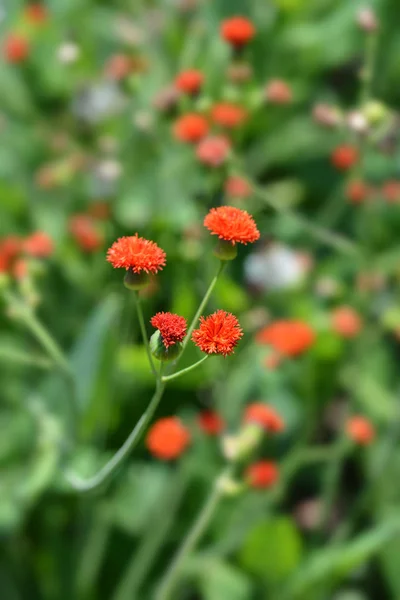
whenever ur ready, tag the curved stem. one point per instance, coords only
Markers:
(184, 371)
(167, 585)
(143, 331)
(109, 469)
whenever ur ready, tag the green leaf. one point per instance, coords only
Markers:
(216, 579)
(272, 550)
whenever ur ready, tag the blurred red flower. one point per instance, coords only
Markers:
(36, 13)
(237, 187)
(10, 248)
(232, 225)
(172, 327)
(278, 91)
(344, 157)
(211, 422)
(38, 244)
(357, 191)
(391, 190)
(85, 233)
(228, 115)
(189, 81)
(360, 430)
(288, 337)
(346, 321)
(213, 150)
(190, 128)
(262, 474)
(136, 253)
(265, 416)
(237, 31)
(168, 438)
(16, 48)
(218, 333)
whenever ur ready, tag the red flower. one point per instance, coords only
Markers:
(137, 254)
(171, 327)
(20, 269)
(346, 321)
(290, 338)
(190, 128)
(10, 248)
(213, 151)
(36, 13)
(237, 31)
(211, 422)
(391, 190)
(357, 191)
(278, 91)
(85, 233)
(237, 187)
(360, 430)
(168, 438)
(228, 115)
(38, 244)
(344, 157)
(189, 81)
(219, 333)
(262, 474)
(232, 225)
(265, 416)
(16, 48)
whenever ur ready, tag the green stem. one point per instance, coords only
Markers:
(184, 371)
(139, 311)
(331, 483)
(23, 358)
(367, 74)
(167, 584)
(109, 469)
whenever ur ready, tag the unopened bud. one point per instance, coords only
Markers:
(135, 281)
(242, 445)
(225, 250)
(375, 112)
(326, 115)
(160, 351)
(229, 486)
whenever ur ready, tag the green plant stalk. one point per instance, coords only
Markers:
(184, 371)
(139, 311)
(11, 355)
(331, 482)
(167, 585)
(109, 469)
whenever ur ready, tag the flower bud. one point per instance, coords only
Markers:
(135, 281)
(160, 351)
(241, 446)
(225, 250)
(229, 486)
(375, 112)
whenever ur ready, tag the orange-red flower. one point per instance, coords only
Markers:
(218, 333)
(357, 191)
(265, 416)
(190, 81)
(278, 91)
(168, 438)
(136, 253)
(38, 244)
(228, 115)
(360, 430)
(10, 248)
(36, 13)
(288, 337)
(172, 327)
(190, 128)
(85, 233)
(211, 422)
(262, 474)
(237, 187)
(232, 225)
(16, 48)
(346, 321)
(344, 157)
(213, 150)
(237, 31)
(391, 190)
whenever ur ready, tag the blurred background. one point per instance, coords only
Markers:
(90, 150)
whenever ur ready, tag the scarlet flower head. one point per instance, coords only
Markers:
(237, 31)
(344, 157)
(265, 416)
(168, 438)
(228, 115)
(190, 81)
(38, 244)
(16, 48)
(218, 333)
(357, 191)
(237, 187)
(36, 13)
(232, 225)
(278, 91)
(211, 422)
(85, 233)
(213, 150)
(172, 327)
(360, 430)
(346, 321)
(137, 254)
(190, 128)
(288, 337)
(262, 474)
